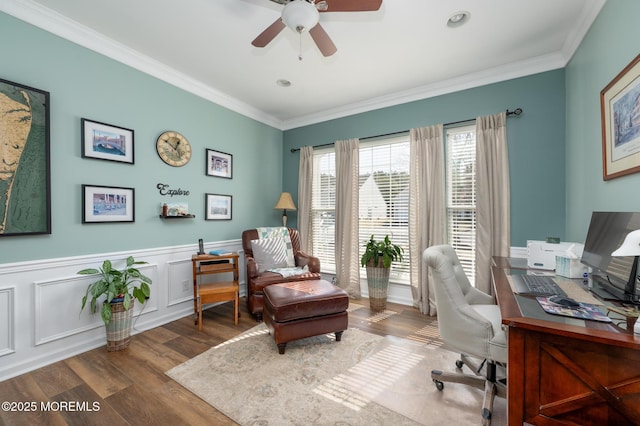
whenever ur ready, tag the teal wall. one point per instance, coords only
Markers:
(85, 84)
(535, 139)
(611, 44)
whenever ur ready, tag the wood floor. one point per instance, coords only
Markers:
(129, 387)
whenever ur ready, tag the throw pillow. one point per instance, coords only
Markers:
(269, 253)
(279, 232)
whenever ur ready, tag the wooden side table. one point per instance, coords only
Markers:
(220, 291)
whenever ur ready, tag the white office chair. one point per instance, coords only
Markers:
(470, 322)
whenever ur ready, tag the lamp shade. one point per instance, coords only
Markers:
(630, 246)
(300, 15)
(285, 202)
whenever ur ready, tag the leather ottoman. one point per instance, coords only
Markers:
(300, 309)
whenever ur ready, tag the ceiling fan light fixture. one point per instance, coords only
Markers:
(458, 19)
(300, 15)
(282, 82)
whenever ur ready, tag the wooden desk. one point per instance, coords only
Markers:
(219, 291)
(584, 372)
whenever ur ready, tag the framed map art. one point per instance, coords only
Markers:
(25, 182)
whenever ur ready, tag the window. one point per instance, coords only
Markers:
(384, 196)
(384, 200)
(323, 202)
(461, 195)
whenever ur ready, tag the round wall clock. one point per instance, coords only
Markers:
(173, 148)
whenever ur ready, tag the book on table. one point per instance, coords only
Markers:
(219, 252)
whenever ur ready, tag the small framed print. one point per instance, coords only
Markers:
(218, 207)
(219, 164)
(105, 204)
(106, 142)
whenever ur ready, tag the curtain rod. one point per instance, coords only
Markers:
(515, 112)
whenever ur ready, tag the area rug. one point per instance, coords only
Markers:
(362, 380)
(397, 375)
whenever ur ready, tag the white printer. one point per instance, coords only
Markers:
(542, 255)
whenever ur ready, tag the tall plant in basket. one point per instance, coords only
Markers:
(377, 257)
(121, 288)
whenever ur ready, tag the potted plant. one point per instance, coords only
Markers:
(377, 257)
(121, 288)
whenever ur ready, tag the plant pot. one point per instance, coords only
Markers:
(119, 328)
(378, 282)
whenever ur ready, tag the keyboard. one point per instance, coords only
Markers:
(540, 285)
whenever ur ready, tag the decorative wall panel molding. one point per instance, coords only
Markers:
(179, 277)
(7, 320)
(58, 316)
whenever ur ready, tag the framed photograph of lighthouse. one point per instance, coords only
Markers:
(25, 180)
(106, 142)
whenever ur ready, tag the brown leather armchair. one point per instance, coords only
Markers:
(257, 281)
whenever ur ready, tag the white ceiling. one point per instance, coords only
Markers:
(400, 53)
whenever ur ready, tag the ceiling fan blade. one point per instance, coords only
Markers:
(352, 5)
(269, 34)
(323, 41)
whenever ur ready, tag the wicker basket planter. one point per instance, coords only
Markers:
(378, 283)
(377, 257)
(119, 328)
(119, 288)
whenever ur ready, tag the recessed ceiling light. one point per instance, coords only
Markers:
(458, 19)
(283, 83)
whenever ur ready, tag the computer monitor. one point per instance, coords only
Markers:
(607, 231)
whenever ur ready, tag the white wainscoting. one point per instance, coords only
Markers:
(40, 318)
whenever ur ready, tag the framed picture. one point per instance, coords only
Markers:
(219, 164)
(106, 142)
(620, 108)
(25, 181)
(218, 207)
(103, 204)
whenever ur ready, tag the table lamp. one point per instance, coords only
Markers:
(630, 247)
(285, 203)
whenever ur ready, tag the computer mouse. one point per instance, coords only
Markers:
(565, 301)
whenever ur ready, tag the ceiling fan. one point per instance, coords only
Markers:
(303, 15)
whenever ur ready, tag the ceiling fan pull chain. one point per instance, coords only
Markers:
(300, 46)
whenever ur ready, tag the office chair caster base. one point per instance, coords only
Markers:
(439, 383)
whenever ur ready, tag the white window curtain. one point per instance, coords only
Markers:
(346, 223)
(305, 191)
(427, 209)
(493, 199)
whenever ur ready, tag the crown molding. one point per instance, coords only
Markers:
(578, 33)
(59, 25)
(48, 20)
(468, 81)
(493, 75)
